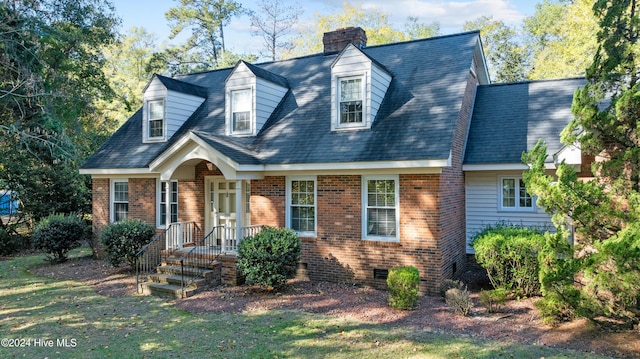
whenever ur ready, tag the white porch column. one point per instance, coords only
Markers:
(239, 212)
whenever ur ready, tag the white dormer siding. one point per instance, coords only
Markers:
(351, 65)
(178, 107)
(265, 97)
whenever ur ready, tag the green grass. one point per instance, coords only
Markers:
(96, 326)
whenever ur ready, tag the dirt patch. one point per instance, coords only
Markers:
(517, 321)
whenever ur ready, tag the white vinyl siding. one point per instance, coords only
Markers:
(268, 97)
(265, 97)
(483, 207)
(178, 107)
(375, 82)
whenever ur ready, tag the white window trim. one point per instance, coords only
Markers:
(112, 197)
(364, 192)
(315, 204)
(517, 208)
(252, 114)
(146, 121)
(159, 186)
(365, 108)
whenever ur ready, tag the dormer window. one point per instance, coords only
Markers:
(358, 87)
(155, 119)
(241, 105)
(351, 91)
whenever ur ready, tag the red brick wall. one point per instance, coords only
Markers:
(453, 221)
(142, 199)
(338, 253)
(268, 201)
(100, 204)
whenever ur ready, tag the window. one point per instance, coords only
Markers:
(301, 203)
(241, 105)
(155, 115)
(350, 96)
(380, 208)
(513, 194)
(171, 203)
(119, 200)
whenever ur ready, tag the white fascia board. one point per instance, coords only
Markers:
(504, 167)
(113, 172)
(377, 165)
(166, 154)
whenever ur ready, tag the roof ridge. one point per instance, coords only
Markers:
(532, 81)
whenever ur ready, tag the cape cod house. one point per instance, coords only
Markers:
(377, 156)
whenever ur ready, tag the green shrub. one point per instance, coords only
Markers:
(510, 256)
(447, 284)
(403, 285)
(493, 299)
(612, 275)
(269, 258)
(459, 300)
(9, 244)
(123, 239)
(57, 234)
(558, 269)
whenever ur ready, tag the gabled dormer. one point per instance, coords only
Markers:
(251, 96)
(167, 104)
(358, 86)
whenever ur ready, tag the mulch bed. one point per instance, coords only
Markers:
(517, 321)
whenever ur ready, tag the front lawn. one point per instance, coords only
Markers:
(68, 319)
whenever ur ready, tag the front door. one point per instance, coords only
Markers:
(221, 203)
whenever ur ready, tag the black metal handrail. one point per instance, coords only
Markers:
(149, 257)
(200, 257)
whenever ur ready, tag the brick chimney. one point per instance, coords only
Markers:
(335, 41)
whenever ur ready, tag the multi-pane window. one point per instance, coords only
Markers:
(351, 100)
(155, 118)
(241, 111)
(514, 194)
(168, 202)
(380, 207)
(120, 200)
(302, 205)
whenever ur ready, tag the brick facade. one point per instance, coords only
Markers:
(432, 218)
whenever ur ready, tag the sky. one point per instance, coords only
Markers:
(451, 15)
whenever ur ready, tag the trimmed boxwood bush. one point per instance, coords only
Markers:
(403, 285)
(269, 258)
(510, 255)
(57, 234)
(123, 239)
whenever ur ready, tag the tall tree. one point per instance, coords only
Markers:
(206, 19)
(605, 210)
(50, 72)
(562, 37)
(128, 68)
(273, 21)
(375, 23)
(507, 60)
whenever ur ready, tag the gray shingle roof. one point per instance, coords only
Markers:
(415, 121)
(181, 86)
(509, 119)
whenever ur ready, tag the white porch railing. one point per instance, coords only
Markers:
(226, 238)
(180, 234)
